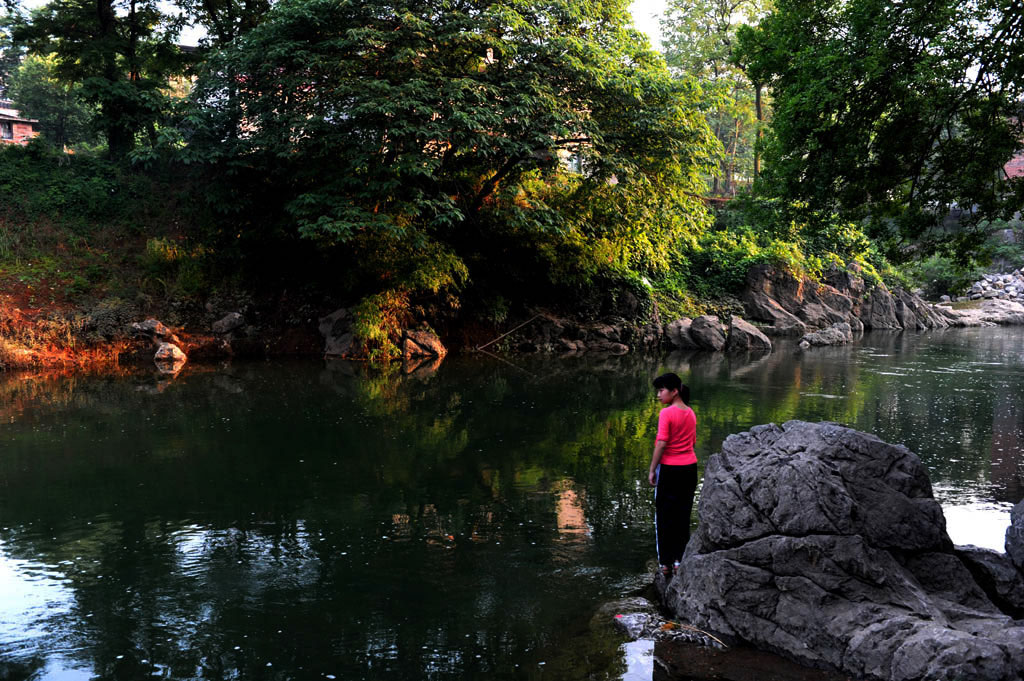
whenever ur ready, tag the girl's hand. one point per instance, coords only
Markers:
(652, 477)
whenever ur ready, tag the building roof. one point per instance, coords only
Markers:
(12, 115)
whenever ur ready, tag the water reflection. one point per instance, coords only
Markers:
(445, 522)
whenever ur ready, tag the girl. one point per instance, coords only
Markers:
(673, 471)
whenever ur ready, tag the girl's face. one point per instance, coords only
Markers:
(666, 396)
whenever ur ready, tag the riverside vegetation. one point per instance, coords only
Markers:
(463, 166)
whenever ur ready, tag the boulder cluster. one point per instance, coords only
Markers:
(707, 332)
(825, 545)
(999, 286)
(986, 312)
(775, 303)
(789, 305)
(168, 355)
(547, 332)
(171, 351)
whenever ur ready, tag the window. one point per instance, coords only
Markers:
(6, 130)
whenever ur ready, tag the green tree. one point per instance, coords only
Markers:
(898, 113)
(121, 52)
(37, 93)
(225, 20)
(10, 57)
(700, 42)
(437, 139)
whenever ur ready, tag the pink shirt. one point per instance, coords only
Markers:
(678, 428)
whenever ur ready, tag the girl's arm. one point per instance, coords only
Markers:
(659, 448)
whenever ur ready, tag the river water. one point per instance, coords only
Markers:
(305, 520)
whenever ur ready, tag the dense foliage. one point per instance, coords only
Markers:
(514, 145)
(10, 57)
(901, 114)
(64, 118)
(470, 159)
(700, 42)
(122, 54)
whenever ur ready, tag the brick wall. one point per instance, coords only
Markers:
(23, 132)
(1015, 168)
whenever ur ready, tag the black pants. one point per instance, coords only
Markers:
(673, 502)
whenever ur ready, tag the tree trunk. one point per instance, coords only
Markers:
(730, 186)
(718, 136)
(113, 108)
(760, 130)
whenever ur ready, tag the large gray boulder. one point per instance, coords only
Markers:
(169, 358)
(847, 281)
(152, 329)
(879, 310)
(988, 313)
(745, 337)
(765, 309)
(792, 305)
(228, 323)
(809, 303)
(998, 577)
(607, 346)
(914, 313)
(837, 334)
(336, 328)
(650, 335)
(826, 545)
(708, 333)
(677, 335)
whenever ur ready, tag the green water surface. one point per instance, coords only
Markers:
(305, 520)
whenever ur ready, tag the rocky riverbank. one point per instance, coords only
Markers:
(784, 304)
(825, 545)
(774, 303)
(996, 287)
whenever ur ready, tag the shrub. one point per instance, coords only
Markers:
(752, 230)
(379, 320)
(180, 268)
(109, 319)
(940, 275)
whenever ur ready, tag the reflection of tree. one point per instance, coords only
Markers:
(235, 505)
(223, 514)
(1006, 448)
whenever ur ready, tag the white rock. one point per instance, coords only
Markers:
(169, 358)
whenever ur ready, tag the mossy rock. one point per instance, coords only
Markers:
(109, 319)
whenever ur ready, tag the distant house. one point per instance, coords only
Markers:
(13, 128)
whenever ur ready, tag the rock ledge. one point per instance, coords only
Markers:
(825, 545)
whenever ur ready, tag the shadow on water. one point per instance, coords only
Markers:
(301, 520)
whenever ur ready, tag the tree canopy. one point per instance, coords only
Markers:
(700, 43)
(121, 52)
(391, 114)
(38, 93)
(897, 112)
(474, 152)
(450, 128)
(10, 57)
